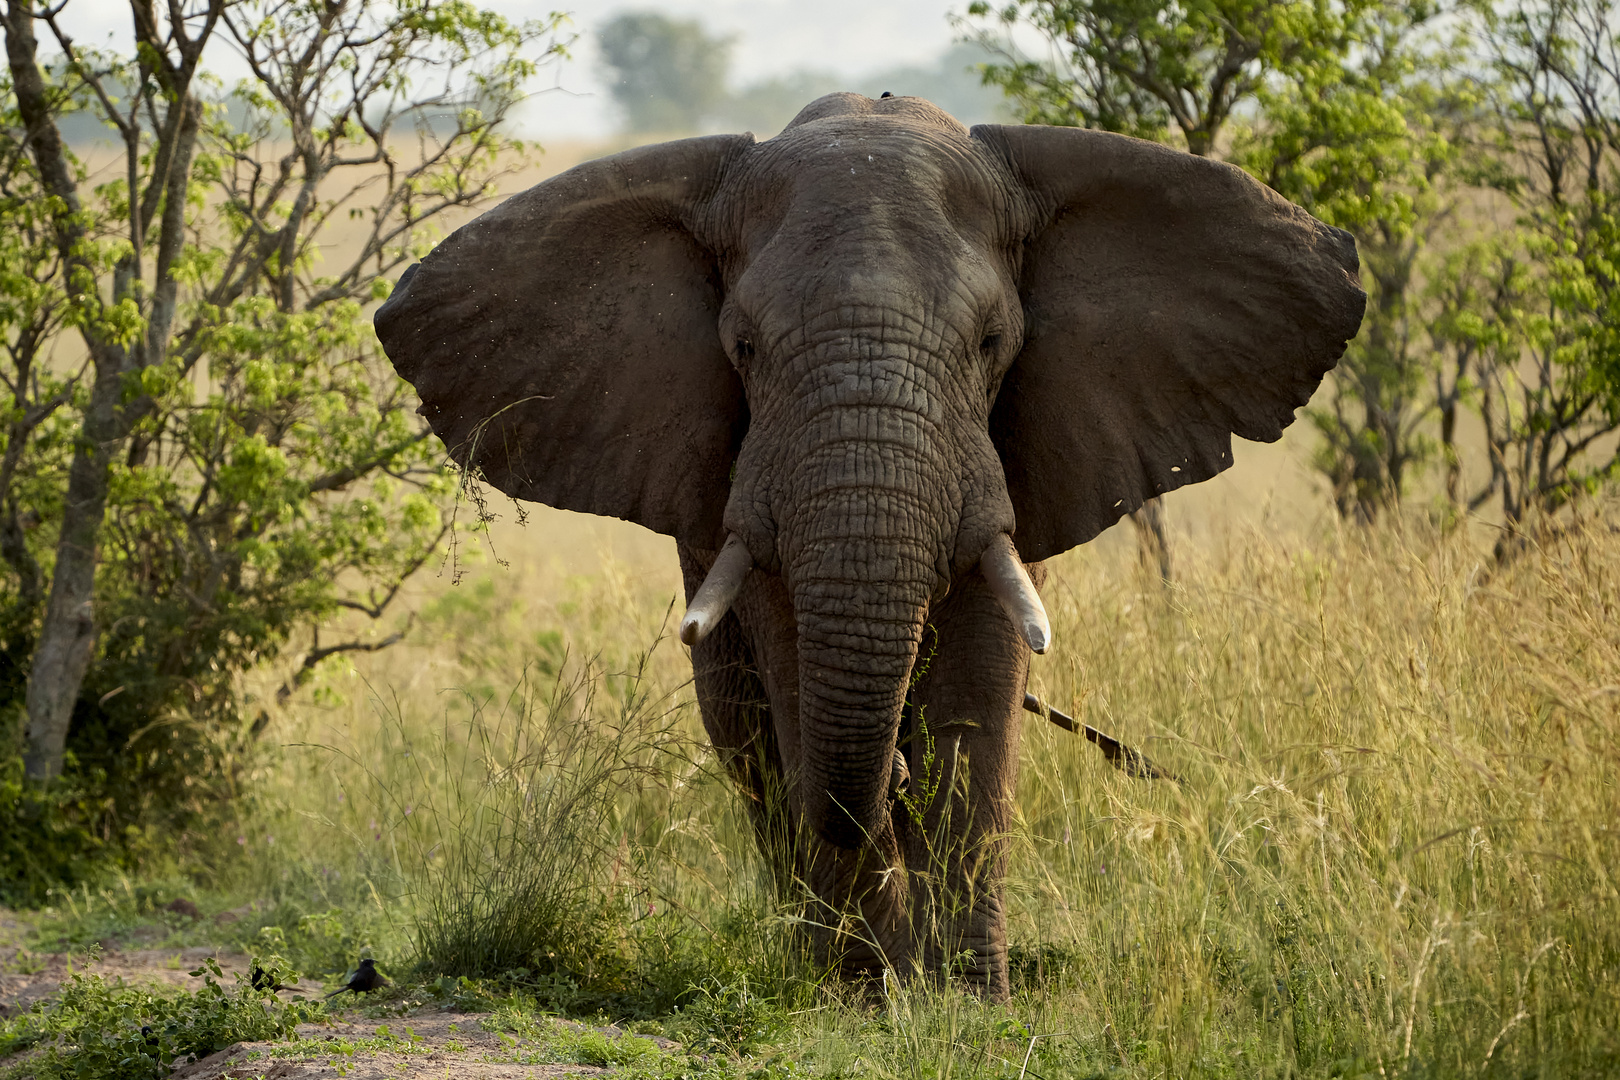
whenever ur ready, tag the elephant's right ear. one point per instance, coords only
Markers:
(565, 346)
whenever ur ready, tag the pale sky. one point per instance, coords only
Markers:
(774, 37)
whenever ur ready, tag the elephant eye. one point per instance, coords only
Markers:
(743, 350)
(990, 343)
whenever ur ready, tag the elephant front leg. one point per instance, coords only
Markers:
(859, 905)
(963, 755)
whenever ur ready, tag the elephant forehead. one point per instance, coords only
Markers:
(867, 215)
(849, 172)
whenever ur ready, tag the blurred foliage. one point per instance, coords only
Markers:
(1150, 67)
(48, 836)
(952, 82)
(672, 77)
(1526, 322)
(1376, 145)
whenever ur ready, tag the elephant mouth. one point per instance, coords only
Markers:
(849, 706)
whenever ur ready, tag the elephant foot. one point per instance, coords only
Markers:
(968, 944)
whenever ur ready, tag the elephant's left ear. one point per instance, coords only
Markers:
(565, 344)
(1170, 302)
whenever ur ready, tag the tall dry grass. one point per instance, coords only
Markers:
(1395, 851)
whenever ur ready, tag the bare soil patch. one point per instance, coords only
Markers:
(441, 1045)
(29, 977)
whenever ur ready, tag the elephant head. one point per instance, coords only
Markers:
(867, 354)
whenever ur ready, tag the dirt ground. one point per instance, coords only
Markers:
(27, 978)
(452, 1045)
(427, 1042)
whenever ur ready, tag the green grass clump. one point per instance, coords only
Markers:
(512, 832)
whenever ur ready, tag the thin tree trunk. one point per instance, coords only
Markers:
(1447, 403)
(13, 544)
(1153, 542)
(67, 636)
(67, 639)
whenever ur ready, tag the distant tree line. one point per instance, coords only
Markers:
(672, 77)
(1472, 148)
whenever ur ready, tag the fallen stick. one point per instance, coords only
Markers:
(1118, 754)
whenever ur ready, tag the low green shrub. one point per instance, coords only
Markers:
(733, 1018)
(98, 1028)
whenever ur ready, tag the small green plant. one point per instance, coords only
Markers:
(731, 1017)
(925, 780)
(100, 1028)
(461, 994)
(603, 1050)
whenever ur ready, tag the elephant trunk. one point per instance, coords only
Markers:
(861, 599)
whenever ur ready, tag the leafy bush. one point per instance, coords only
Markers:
(46, 835)
(734, 1018)
(236, 462)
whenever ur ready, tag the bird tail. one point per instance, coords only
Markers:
(334, 993)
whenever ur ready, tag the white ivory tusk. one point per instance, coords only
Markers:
(713, 598)
(1008, 579)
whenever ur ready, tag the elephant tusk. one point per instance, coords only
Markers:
(1008, 579)
(713, 598)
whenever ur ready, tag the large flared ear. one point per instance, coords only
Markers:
(565, 344)
(1170, 302)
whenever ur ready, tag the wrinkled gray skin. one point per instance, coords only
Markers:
(868, 347)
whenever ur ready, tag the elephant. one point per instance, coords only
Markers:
(870, 373)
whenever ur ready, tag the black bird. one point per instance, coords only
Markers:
(363, 979)
(263, 980)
